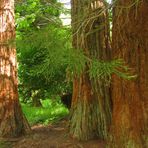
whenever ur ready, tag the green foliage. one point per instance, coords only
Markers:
(104, 70)
(43, 60)
(36, 13)
(40, 44)
(51, 46)
(5, 144)
(76, 62)
(45, 53)
(51, 111)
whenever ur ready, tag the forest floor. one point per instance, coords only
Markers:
(51, 136)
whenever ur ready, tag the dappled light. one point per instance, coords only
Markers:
(12, 122)
(96, 4)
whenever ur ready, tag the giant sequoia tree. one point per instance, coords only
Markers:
(130, 42)
(91, 109)
(12, 121)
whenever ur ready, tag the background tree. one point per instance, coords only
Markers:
(40, 24)
(91, 103)
(130, 41)
(12, 121)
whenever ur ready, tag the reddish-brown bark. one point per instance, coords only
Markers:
(12, 121)
(91, 104)
(130, 42)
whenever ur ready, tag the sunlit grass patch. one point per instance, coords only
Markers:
(49, 112)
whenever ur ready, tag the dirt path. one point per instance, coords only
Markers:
(52, 136)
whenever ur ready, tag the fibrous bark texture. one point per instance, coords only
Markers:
(130, 104)
(12, 121)
(91, 104)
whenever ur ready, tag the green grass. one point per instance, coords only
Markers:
(51, 111)
(4, 144)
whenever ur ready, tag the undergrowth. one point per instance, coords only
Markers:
(49, 112)
(5, 144)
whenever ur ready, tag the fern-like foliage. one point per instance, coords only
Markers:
(105, 69)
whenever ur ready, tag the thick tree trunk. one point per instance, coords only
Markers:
(130, 105)
(91, 104)
(12, 121)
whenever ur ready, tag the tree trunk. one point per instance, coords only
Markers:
(12, 121)
(36, 101)
(91, 104)
(130, 42)
(36, 96)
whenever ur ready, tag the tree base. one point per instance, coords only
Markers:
(13, 123)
